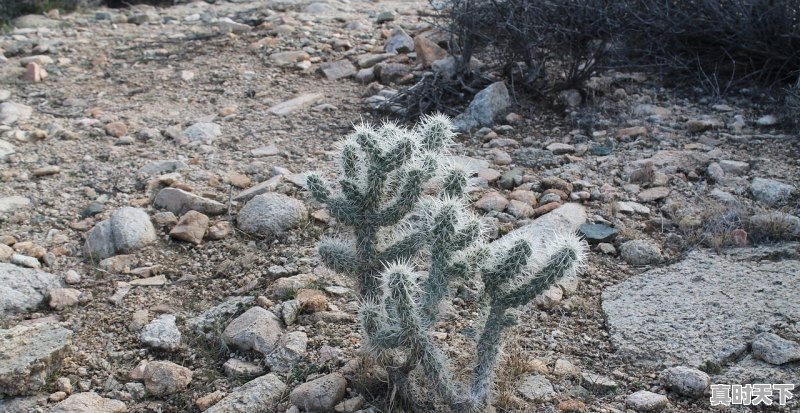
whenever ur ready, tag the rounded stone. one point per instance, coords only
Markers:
(131, 229)
(270, 214)
(640, 252)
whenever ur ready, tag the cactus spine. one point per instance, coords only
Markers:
(380, 197)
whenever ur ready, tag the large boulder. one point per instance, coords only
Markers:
(29, 353)
(23, 289)
(271, 213)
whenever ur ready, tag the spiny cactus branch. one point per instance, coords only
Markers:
(384, 171)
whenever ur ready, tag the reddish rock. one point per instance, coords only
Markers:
(428, 51)
(116, 129)
(545, 208)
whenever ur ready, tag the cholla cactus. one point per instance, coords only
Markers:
(394, 226)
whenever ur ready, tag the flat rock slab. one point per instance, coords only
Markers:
(23, 289)
(706, 309)
(89, 402)
(28, 354)
(567, 217)
(295, 104)
(180, 202)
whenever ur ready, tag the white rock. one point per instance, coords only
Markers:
(161, 333)
(645, 401)
(11, 113)
(9, 204)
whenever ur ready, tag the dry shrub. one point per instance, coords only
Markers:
(545, 46)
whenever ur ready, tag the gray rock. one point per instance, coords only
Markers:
(707, 322)
(291, 348)
(319, 395)
(597, 233)
(536, 388)
(6, 150)
(256, 396)
(767, 120)
(25, 261)
(257, 329)
(100, 241)
(567, 217)
(128, 230)
(654, 194)
(161, 167)
(487, 104)
(685, 381)
(597, 383)
(290, 310)
(734, 167)
(9, 204)
(210, 321)
(715, 172)
(774, 349)
(24, 289)
(179, 202)
(20, 404)
(384, 16)
(34, 21)
(237, 368)
(641, 252)
(89, 402)
(29, 353)
(131, 229)
(399, 42)
(771, 192)
(270, 185)
(227, 25)
(136, 390)
(645, 401)
(11, 113)
(298, 103)
(161, 333)
(271, 213)
(201, 132)
(339, 69)
(162, 378)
